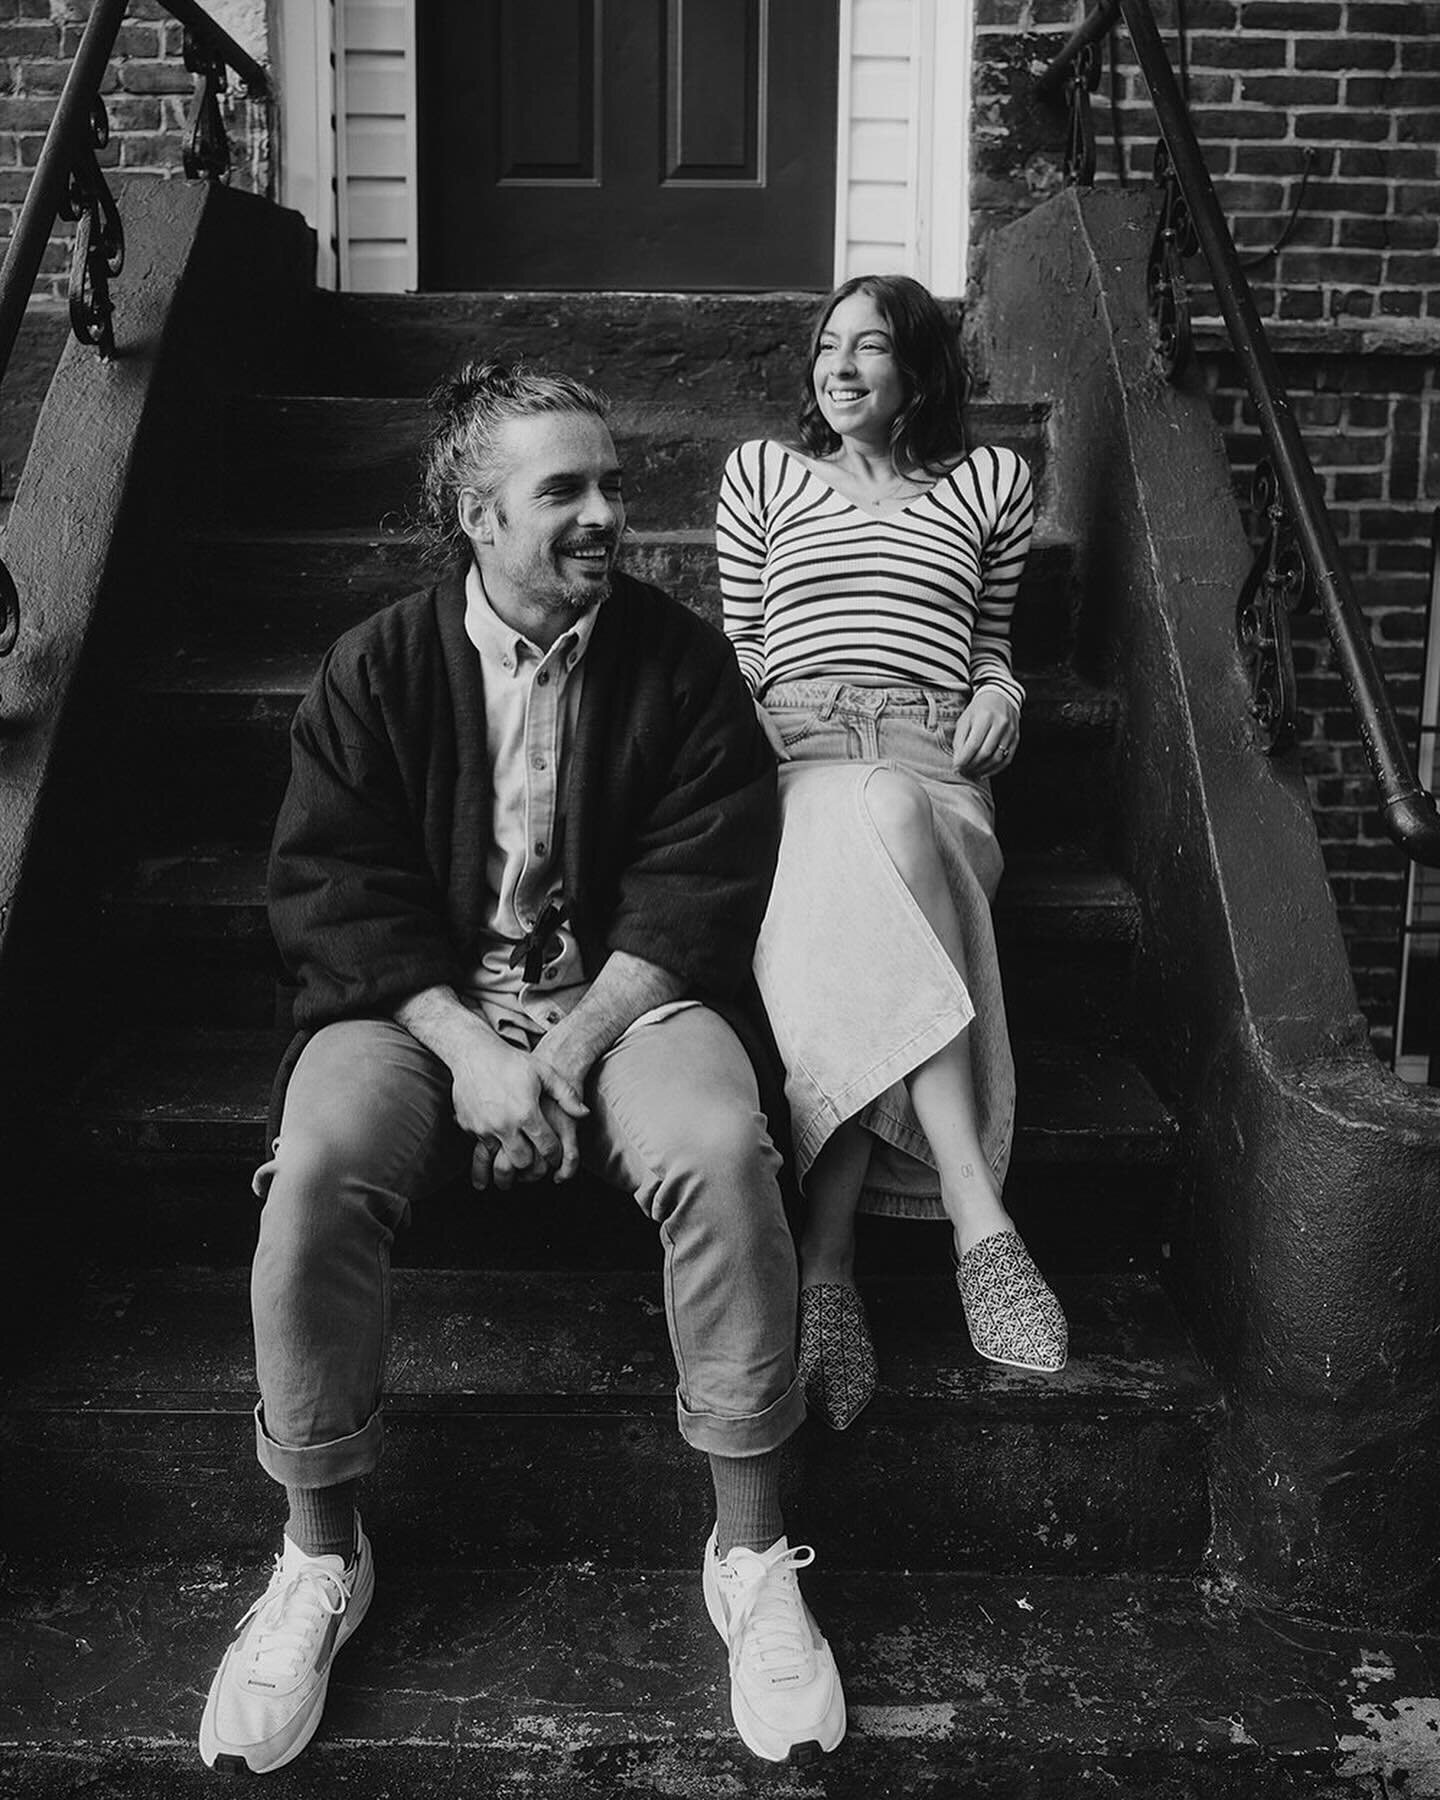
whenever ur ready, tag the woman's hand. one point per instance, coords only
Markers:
(772, 733)
(986, 735)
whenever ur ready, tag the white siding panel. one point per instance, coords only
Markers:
(379, 268)
(378, 209)
(375, 149)
(376, 101)
(880, 89)
(874, 259)
(879, 150)
(377, 84)
(882, 27)
(878, 211)
(377, 24)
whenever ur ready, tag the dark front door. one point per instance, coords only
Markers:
(645, 144)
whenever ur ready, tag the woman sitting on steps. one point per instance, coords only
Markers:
(869, 577)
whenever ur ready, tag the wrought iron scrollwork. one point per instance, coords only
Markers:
(207, 154)
(1174, 240)
(1277, 585)
(98, 253)
(9, 611)
(1081, 81)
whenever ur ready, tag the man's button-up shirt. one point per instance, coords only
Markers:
(532, 705)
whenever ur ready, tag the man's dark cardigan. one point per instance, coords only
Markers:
(378, 870)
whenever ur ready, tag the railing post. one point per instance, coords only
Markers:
(1174, 241)
(51, 181)
(207, 155)
(9, 611)
(98, 253)
(1276, 586)
(1074, 75)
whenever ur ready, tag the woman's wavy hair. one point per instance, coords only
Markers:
(461, 450)
(929, 430)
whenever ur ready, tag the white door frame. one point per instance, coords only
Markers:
(944, 157)
(305, 55)
(930, 179)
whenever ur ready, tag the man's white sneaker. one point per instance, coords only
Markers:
(785, 1693)
(269, 1691)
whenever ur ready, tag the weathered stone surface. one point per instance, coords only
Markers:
(328, 462)
(579, 1682)
(530, 1418)
(27, 380)
(207, 737)
(290, 593)
(717, 349)
(206, 1092)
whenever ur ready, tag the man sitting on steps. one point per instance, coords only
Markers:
(519, 870)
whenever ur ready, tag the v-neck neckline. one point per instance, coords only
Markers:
(855, 506)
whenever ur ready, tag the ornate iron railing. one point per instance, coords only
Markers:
(1300, 561)
(69, 184)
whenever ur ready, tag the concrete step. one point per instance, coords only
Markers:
(212, 893)
(279, 591)
(1066, 937)
(158, 1141)
(710, 349)
(325, 462)
(530, 1419)
(207, 736)
(191, 1093)
(586, 1683)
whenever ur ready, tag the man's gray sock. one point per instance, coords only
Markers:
(322, 1520)
(747, 1501)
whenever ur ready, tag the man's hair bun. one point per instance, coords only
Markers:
(473, 381)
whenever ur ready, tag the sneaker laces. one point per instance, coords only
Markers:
(289, 1616)
(768, 1629)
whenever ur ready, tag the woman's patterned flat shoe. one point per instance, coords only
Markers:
(837, 1360)
(1012, 1315)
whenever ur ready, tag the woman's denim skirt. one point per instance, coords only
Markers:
(859, 989)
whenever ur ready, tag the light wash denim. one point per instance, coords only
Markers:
(859, 989)
(368, 1131)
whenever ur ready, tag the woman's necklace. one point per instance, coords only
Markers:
(872, 497)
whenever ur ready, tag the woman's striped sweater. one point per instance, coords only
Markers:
(816, 587)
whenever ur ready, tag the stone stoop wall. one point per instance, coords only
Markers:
(147, 92)
(1343, 95)
(1371, 421)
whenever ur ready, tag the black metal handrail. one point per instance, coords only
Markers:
(68, 184)
(1291, 494)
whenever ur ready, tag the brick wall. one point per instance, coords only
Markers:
(1344, 96)
(147, 90)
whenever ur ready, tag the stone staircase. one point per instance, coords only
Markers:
(994, 1547)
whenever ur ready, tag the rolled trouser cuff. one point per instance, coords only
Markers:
(752, 1434)
(320, 1465)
